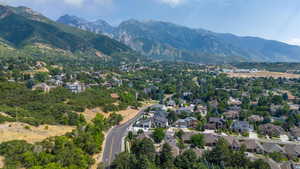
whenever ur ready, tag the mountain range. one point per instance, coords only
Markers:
(167, 41)
(23, 30)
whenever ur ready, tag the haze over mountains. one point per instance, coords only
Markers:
(167, 41)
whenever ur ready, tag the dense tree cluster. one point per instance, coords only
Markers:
(144, 156)
(72, 151)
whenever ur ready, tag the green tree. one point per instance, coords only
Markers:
(144, 147)
(179, 134)
(166, 158)
(158, 135)
(41, 76)
(186, 160)
(124, 161)
(197, 140)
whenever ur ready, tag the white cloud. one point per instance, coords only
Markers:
(294, 41)
(172, 3)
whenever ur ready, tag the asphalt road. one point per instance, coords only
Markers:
(114, 140)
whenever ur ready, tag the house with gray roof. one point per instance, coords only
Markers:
(292, 151)
(272, 147)
(241, 126)
(253, 146)
(189, 122)
(160, 119)
(215, 123)
(271, 130)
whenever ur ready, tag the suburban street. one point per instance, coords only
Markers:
(113, 144)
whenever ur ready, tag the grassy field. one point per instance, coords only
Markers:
(31, 134)
(264, 74)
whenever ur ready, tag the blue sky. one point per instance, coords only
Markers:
(271, 19)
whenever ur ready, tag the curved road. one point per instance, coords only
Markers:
(114, 140)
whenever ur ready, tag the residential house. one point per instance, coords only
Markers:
(60, 77)
(42, 86)
(160, 119)
(185, 94)
(255, 118)
(210, 139)
(241, 127)
(197, 101)
(274, 108)
(171, 103)
(184, 110)
(202, 110)
(231, 114)
(295, 166)
(143, 124)
(271, 130)
(115, 82)
(234, 101)
(189, 122)
(76, 87)
(186, 137)
(286, 165)
(293, 106)
(234, 108)
(292, 151)
(295, 132)
(56, 82)
(272, 147)
(252, 146)
(233, 142)
(107, 84)
(215, 123)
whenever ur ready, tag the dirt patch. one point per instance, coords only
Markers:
(90, 114)
(128, 114)
(1, 162)
(4, 114)
(264, 74)
(31, 134)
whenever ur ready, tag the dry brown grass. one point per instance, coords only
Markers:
(264, 74)
(128, 114)
(90, 114)
(4, 114)
(18, 131)
(1, 162)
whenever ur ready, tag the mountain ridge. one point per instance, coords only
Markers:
(168, 41)
(21, 27)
